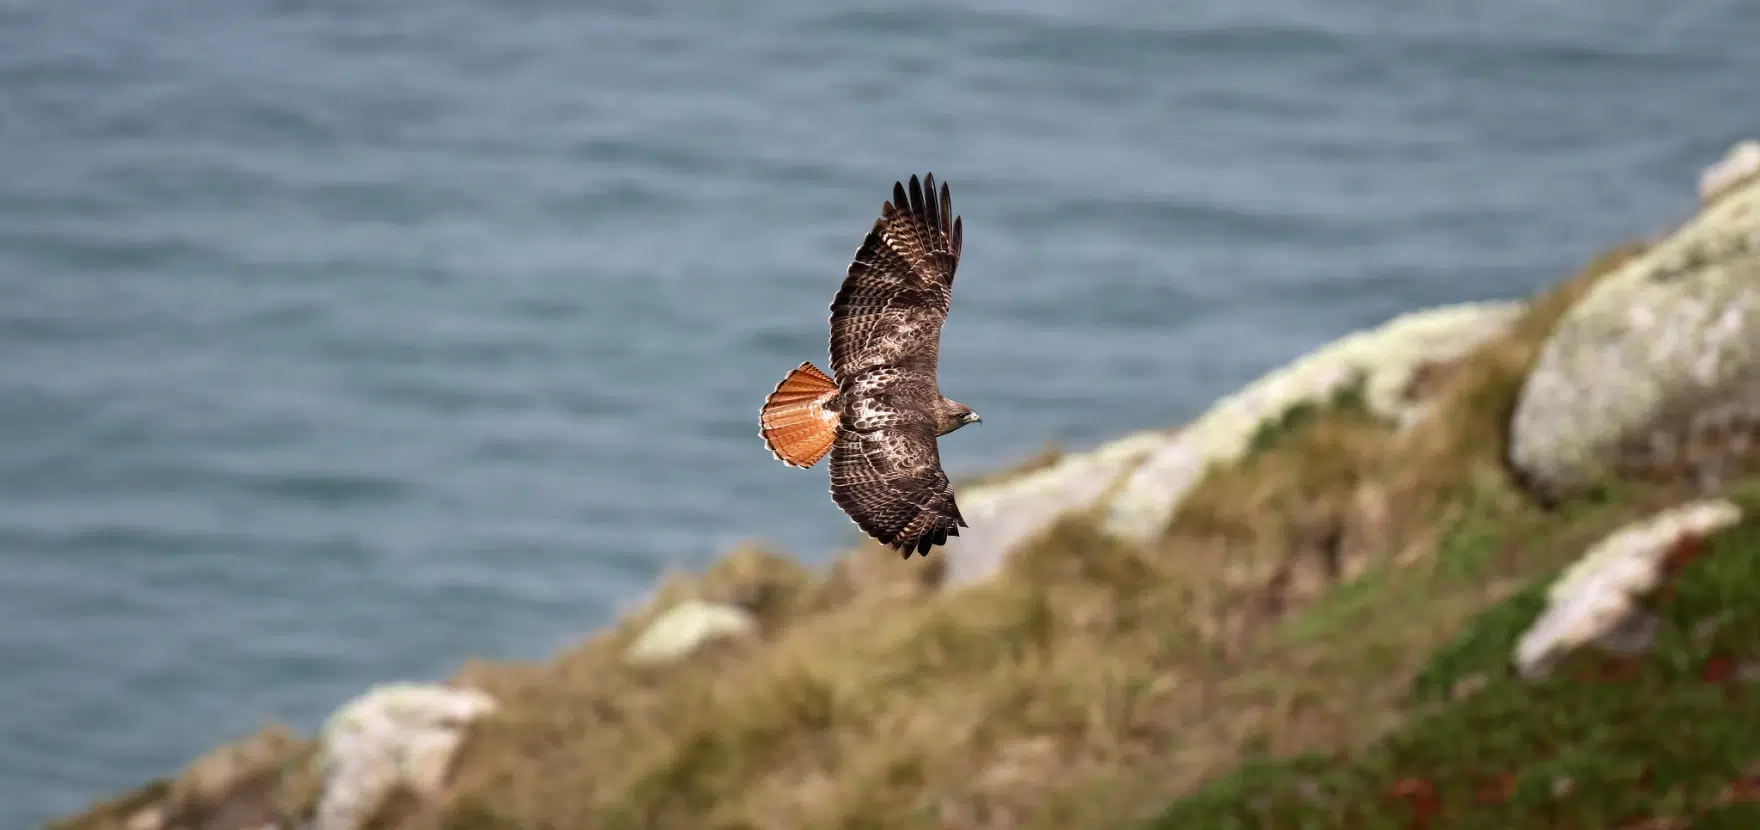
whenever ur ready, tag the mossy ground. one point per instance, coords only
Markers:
(1293, 601)
(1605, 742)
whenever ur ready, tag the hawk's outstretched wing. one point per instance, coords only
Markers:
(895, 296)
(890, 482)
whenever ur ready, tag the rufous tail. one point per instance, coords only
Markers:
(795, 422)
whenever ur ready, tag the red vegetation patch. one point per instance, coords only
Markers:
(1718, 669)
(1610, 669)
(1419, 793)
(1496, 789)
(1685, 550)
(1745, 788)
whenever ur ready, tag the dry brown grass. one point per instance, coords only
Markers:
(255, 780)
(932, 709)
(1084, 685)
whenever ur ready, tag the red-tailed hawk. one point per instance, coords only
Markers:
(880, 410)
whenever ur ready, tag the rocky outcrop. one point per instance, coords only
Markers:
(399, 737)
(1383, 360)
(1138, 481)
(1657, 369)
(1003, 516)
(395, 737)
(1596, 600)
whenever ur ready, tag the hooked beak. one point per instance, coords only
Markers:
(973, 418)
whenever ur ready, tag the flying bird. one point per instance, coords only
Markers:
(881, 410)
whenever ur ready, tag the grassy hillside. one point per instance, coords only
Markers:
(1322, 627)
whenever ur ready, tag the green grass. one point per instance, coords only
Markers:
(1351, 398)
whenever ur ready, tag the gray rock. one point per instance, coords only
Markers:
(400, 735)
(1003, 516)
(1661, 353)
(1596, 600)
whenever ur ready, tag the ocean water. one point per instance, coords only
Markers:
(340, 342)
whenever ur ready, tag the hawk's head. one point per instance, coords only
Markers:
(952, 415)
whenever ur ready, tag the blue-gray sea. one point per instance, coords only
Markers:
(342, 341)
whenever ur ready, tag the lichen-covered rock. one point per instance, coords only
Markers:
(1658, 366)
(396, 736)
(1742, 162)
(1595, 601)
(686, 627)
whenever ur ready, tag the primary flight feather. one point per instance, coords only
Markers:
(881, 410)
